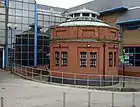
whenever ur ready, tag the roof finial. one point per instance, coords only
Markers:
(84, 8)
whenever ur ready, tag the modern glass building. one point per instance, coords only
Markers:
(24, 32)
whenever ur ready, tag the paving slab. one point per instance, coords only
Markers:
(18, 92)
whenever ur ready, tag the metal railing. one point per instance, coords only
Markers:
(108, 82)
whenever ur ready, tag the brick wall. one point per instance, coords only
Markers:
(74, 49)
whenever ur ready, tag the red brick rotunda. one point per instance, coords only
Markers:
(82, 48)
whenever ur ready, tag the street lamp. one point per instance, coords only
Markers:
(11, 27)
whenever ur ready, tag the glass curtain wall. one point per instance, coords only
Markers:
(2, 31)
(21, 16)
(46, 19)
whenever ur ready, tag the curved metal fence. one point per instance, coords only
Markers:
(108, 82)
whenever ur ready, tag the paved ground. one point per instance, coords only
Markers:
(23, 93)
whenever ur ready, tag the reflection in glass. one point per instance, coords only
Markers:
(25, 13)
(18, 5)
(19, 27)
(25, 6)
(2, 17)
(18, 12)
(25, 27)
(2, 36)
(11, 19)
(18, 19)
(31, 14)
(12, 4)
(2, 10)
(40, 17)
(31, 7)
(40, 23)
(12, 12)
(2, 32)
(31, 20)
(25, 20)
(2, 25)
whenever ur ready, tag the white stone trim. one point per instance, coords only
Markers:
(83, 23)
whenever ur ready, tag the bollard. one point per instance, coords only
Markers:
(87, 82)
(51, 80)
(133, 100)
(32, 75)
(89, 99)
(2, 102)
(112, 99)
(64, 99)
(100, 82)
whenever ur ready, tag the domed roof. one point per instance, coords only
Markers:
(82, 20)
(83, 23)
(84, 10)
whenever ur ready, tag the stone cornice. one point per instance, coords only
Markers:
(85, 40)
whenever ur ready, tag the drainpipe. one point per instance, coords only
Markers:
(104, 55)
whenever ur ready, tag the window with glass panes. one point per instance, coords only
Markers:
(21, 13)
(64, 58)
(56, 58)
(110, 59)
(2, 29)
(115, 59)
(83, 59)
(93, 59)
(134, 60)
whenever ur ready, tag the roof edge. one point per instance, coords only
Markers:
(120, 8)
(129, 21)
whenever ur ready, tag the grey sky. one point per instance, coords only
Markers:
(62, 3)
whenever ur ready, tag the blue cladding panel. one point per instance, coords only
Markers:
(129, 21)
(35, 36)
(6, 3)
(114, 9)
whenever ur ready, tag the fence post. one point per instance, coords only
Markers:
(62, 78)
(50, 78)
(100, 81)
(133, 80)
(112, 82)
(26, 72)
(74, 79)
(40, 75)
(89, 99)
(2, 102)
(64, 99)
(32, 74)
(87, 81)
(133, 100)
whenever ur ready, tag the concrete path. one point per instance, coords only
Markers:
(18, 92)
